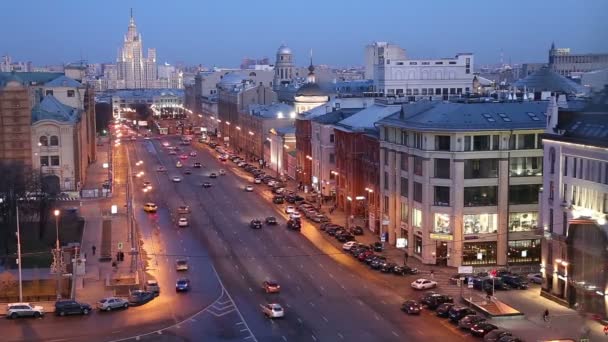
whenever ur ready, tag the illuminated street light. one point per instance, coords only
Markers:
(292, 115)
(360, 198)
(250, 133)
(238, 128)
(286, 146)
(349, 198)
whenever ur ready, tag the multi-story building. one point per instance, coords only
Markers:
(358, 162)
(574, 206)
(282, 142)
(284, 68)
(376, 53)
(570, 65)
(425, 78)
(163, 102)
(460, 181)
(255, 126)
(15, 121)
(135, 70)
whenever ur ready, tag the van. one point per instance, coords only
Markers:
(152, 286)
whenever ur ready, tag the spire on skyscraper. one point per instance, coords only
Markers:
(132, 20)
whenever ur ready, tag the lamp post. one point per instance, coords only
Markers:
(58, 266)
(56, 213)
(19, 254)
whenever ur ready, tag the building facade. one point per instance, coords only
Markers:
(459, 182)
(377, 52)
(574, 207)
(133, 68)
(257, 124)
(568, 64)
(15, 121)
(284, 67)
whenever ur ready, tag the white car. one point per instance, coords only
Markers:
(248, 188)
(172, 152)
(349, 245)
(536, 278)
(222, 172)
(182, 222)
(295, 215)
(423, 284)
(192, 154)
(176, 179)
(257, 181)
(178, 164)
(181, 265)
(111, 303)
(273, 310)
(289, 209)
(14, 310)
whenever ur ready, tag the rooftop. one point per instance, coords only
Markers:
(29, 78)
(546, 80)
(52, 109)
(336, 115)
(64, 81)
(483, 116)
(273, 111)
(365, 119)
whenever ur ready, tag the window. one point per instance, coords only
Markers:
(442, 196)
(574, 168)
(495, 142)
(54, 160)
(418, 192)
(480, 224)
(565, 224)
(480, 168)
(524, 194)
(332, 158)
(481, 143)
(442, 143)
(43, 141)
(418, 166)
(479, 253)
(331, 138)
(523, 222)
(404, 139)
(404, 211)
(71, 93)
(418, 140)
(479, 196)
(524, 251)
(551, 190)
(552, 160)
(418, 245)
(385, 206)
(54, 140)
(467, 143)
(525, 166)
(385, 180)
(550, 220)
(48, 92)
(417, 218)
(385, 157)
(44, 161)
(442, 224)
(405, 162)
(526, 141)
(405, 189)
(442, 168)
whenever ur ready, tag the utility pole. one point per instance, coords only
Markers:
(19, 254)
(58, 265)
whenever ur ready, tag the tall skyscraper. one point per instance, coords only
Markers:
(133, 68)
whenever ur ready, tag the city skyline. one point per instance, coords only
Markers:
(487, 32)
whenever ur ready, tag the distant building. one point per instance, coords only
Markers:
(378, 52)
(310, 94)
(595, 80)
(251, 63)
(574, 206)
(256, 124)
(135, 70)
(544, 82)
(7, 65)
(162, 102)
(528, 69)
(284, 67)
(569, 65)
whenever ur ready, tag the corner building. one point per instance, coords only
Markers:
(459, 182)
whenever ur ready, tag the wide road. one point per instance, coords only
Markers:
(327, 295)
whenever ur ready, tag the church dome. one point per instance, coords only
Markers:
(310, 89)
(230, 80)
(284, 50)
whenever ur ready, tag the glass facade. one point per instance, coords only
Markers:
(524, 194)
(480, 224)
(524, 252)
(526, 166)
(442, 224)
(523, 222)
(479, 196)
(479, 253)
(480, 168)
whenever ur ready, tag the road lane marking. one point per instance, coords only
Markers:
(242, 276)
(284, 338)
(314, 338)
(239, 323)
(377, 317)
(299, 320)
(394, 333)
(325, 319)
(288, 305)
(242, 330)
(312, 304)
(340, 335)
(322, 288)
(383, 302)
(250, 289)
(342, 286)
(331, 275)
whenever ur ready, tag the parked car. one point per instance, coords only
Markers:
(271, 286)
(319, 218)
(181, 265)
(485, 283)
(357, 230)
(480, 329)
(152, 286)
(515, 281)
(15, 310)
(433, 300)
(411, 307)
(458, 312)
(278, 199)
(273, 310)
(388, 267)
(257, 180)
(345, 237)
(111, 303)
(182, 285)
(443, 310)
(271, 220)
(377, 246)
(467, 321)
(423, 284)
(139, 297)
(255, 224)
(183, 209)
(404, 270)
(535, 278)
(71, 307)
(248, 188)
(348, 245)
(495, 335)
(182, 222)
(294, 224)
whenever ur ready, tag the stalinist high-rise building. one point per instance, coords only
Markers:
(133, 69)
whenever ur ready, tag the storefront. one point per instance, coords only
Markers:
(418, 245)
(524, 252)
(479, 253)
(403, 233)
(523, 222)
(442, 224)
(480, 224)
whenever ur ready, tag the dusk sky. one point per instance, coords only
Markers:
(221, 33)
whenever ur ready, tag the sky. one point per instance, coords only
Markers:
(222, 32)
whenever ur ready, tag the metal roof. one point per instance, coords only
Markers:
(52, 109)
(336, 115)
(544, 79)
(64, 81)
(29, 78)
(366, 118)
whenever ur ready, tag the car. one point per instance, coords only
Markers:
(271, 220)
(255, 224)
(182, 222)
(404, 270)
(378, 262)
(187, 172)
(183, 209)
(183, 156)
(166, 144)
(387, 267)
(434, 300)
(289, 209)
(248, 188)
(411, 307)
(179, 164)
(467, 321)
(535, 278)
(176, 179)
(197, 165)
(459, 312)
(278, 199)
(515, 281)
(273, 310)
(485, 283)
(347, 246)
(111, 303)
(456, 277)
(294, 225)
(363, 256)
(212, 175)
(161, 169)
(495, 335)
(181, 265)
(423, 284)
(377, 246)
(206, 185)
(193, 154)
(150, 207)
(172, 152)
(147, 185)
(319, 218)
(357, 230)
(152, 286)
(15, 310)
(139, 297)
(71, 307)
(345, 237)
(271, 286)
(257, 180)
(480, 329)
(443, 310)
(222, 172)
(295, 215)
(182, 285)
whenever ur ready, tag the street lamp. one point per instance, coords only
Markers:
(56, 213)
